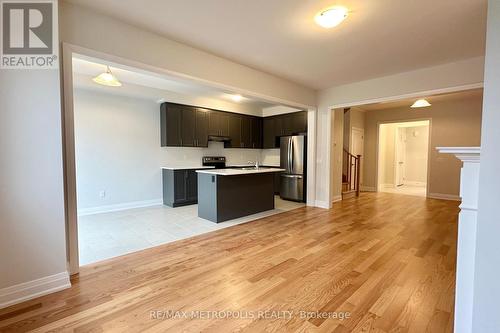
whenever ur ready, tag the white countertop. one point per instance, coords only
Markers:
(234, 172)
(186, 167)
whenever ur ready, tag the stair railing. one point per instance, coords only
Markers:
(351, 169)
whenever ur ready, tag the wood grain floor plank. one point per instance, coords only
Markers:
(386, 260)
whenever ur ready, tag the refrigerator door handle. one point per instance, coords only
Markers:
(290, 161)
(291, 156)
(292, 176)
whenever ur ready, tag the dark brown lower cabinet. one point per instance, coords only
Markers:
(180, 187)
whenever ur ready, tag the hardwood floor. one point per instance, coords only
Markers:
(385, 261)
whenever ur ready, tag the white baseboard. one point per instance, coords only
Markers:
(322, 204)
(386, 185)
(368, 189)
(118, 207)
(411, 183)
(444, 196)
(33, 289)
(337, 198)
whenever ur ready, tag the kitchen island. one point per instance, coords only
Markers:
(225, 194)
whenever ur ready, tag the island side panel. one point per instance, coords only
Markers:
(207, 196)
(244, 195)
(168, 187)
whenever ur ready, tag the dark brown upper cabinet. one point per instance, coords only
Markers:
(257, 132)
(201, 128)
(170, 124)
(246, 132)
(218, 123)
(283, 125)
(299, 122)
(268, 133)
(183, 126)
(189, 126)
(234, 131)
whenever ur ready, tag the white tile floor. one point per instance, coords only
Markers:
(416, 190)
(107, 235)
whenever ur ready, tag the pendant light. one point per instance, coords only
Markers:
(107, 79)
(421, 103)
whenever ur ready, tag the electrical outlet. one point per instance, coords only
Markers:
(102, 194)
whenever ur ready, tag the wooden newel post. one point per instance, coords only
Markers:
(358, 175)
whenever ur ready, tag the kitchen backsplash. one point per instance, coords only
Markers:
(178, 156)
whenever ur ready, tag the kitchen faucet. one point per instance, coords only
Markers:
(256, 163)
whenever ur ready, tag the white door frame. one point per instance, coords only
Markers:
(429, 148)
(68, 50)
(351, 140)
(397, 147)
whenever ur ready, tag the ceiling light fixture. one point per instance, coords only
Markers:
(331, 17)
(421, 103)
(107, 79)
(236, 98)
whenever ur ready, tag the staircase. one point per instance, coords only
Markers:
(351, 168)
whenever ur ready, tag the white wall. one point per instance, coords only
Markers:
(277, 110)
(32, 220)
(417, 146)
(81, 81)
(456, 74)
(466, 73)
(487, 272)
(118, 150)
(83, 27)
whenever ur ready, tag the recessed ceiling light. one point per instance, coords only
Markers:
(421, 103)
(107, 79)
(236, 98)
(331, 17)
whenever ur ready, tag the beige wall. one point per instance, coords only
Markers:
(346, 128)
(417, 146)
(386, 157)
(444, 78)
(353, 118)
(453, 123)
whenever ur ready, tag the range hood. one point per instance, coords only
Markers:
(217, 138)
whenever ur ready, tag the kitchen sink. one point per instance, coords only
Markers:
(255, 168)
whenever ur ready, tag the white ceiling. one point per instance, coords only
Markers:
(474, 93)
(380, 37)
(138, 83)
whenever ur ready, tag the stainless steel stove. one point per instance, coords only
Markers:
(219, 162)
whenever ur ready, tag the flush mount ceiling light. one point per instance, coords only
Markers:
(331, 17)
(107, 79)
(421, 103)
(236, 98)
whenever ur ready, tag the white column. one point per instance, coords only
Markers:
(467, 228)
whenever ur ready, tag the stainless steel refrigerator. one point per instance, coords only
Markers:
(293, 160)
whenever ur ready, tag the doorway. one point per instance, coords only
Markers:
(357, 147)
(155, 92)
(403, 150)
